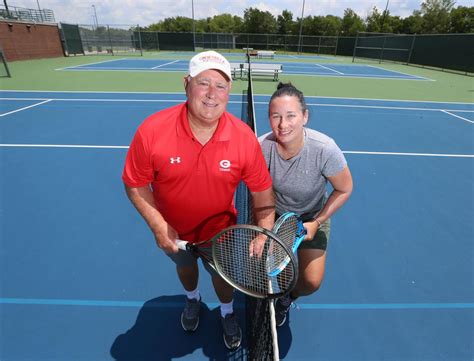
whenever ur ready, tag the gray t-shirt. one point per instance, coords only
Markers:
(299, 183)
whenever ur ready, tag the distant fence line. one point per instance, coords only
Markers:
(445, 51)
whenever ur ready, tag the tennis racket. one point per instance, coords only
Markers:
(289, 228)
(249, 273)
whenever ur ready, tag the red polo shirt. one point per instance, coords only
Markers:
(194, 185)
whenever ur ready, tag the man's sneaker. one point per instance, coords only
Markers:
(232, 331)
(282, 305)
(190, 315)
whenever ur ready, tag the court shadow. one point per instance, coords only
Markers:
(157, 334)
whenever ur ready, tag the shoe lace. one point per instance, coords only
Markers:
(191, 309)
(230, 324)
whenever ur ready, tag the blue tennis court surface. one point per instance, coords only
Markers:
(290, 68)
(82, 279)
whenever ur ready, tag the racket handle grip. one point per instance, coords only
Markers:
(181, 244)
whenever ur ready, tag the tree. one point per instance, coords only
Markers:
(202, 25)
(224, 23)
(351, 23)
(462, 20)
(285, 22)
(436, 15)
(412, 24)
(313, 25)
(374, 21)
(259, 22)
(176, 25)
(394, 24)
(332, 25)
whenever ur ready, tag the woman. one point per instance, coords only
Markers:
(301, 162)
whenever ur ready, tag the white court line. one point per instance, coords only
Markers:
(133, 70)
(126, 147)
(457, 116)
(240, 102)
(411, 154)
(400, 72)
(24, 108)
(63, 146)
(108, 100)
(235, 94)
(159, 66)
(356, 76)
(87, 64)
(380, 107)
(328, 68)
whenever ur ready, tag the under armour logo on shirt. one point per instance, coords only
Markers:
(175, 160)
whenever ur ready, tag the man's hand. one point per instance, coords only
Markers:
(257, 245)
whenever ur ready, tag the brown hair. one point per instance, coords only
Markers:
(290, 90)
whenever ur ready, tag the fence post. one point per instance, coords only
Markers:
(110, 40)
(140, 40)
(383, 48)
(411, 49)
(355, 46)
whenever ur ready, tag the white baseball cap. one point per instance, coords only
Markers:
(209, 60)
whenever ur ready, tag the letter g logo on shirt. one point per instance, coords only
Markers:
(224, 165)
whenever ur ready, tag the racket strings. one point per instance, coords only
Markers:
(287, 231)
(232, 256)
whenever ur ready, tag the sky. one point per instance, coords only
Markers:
(146, 12)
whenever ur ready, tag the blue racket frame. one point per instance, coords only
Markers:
(285, 220)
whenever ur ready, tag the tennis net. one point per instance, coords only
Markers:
(260, 330)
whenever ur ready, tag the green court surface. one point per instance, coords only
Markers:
(44, 75)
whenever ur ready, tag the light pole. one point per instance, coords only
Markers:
(6, 7)
(96, 22)
(194, 26)
(384, 16)
(301, 28)
(39, 10)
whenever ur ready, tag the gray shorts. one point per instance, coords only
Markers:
(187, 259)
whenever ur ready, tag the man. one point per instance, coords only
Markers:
(181, 173)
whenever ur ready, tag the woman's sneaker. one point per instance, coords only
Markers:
(282, 305)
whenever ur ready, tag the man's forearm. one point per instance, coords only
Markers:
(264, 208)
(142, 199)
